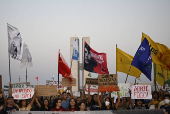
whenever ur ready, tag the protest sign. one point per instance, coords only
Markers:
(141, 92)
(51, 82)
(28, 83)
(66, 82)
(76, 93)
(124, 90)
(46, 90)
(22, 91)
(92, 81)
(93, 89)
(107, 82)
(6, 90)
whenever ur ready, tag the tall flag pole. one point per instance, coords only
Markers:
(116, 58)
(58, 66)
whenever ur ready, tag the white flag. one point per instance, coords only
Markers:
(14, 42)
(75, 45)
(26, 60)
(75, 54)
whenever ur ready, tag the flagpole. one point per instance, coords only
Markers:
(155, 76)
(9, 57)
(58, 63)
(26, 76)
(127, 74)
(116, 58)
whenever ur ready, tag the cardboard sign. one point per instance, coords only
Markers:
(107, 82)
(124, 90)
(22, 91)
(141, 92)
(92, 81)
(93, 89)
(66, 82)
(28, 83)
(46, 90)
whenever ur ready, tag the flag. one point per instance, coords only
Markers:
(89, 74)
(166, 74)
(52, 78)
(63, 68)
(75, 54)
(164, 55)
(143, 59)
(94, 61)
(159, 75)
(123, 63)
(26, 60)
(14, 42)
(155, 52)
(37, 78)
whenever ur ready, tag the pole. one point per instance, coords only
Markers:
(19, 79)
(58, 66)
(116, 58)
(155, 76)
(128, 74)
(135, 81)
(26, 75)
(9, 57)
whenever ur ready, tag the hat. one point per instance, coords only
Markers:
(10, 96)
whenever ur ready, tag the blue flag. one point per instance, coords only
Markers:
(143, 59)
(75, 54)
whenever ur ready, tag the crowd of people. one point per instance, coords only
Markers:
(65, 101)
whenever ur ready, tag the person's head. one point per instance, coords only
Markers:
(22, 103)
(94, 98)
(167, 99)
(1, 101)
(81, 106)
(68, 95)
(51, 100)
(108, 102)
(57, 102)
(45, 102)
(10, 100)
(120, 103)
(79, 100)
(87, 53)
(166, 93)
(155, 95)
(80, 94)
(72, 103)
(138, 102)
(64, 96)
(124, 100)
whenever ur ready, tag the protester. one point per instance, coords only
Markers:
(72, 105)
(10, 106)
(45, 106)
(166, 107)
(162, 102)
(81, 106)
(155, 97)
(57, 105)
(79, 100)
(139, 104)
(107, 105)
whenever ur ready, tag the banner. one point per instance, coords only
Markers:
(93, 89)
(14, 42)
(26, 60)
(66, 82)
(46, 90)
(141, 92)
(124, 90)
(6, 90)
(107, 82)
(92, 81)
(76, 93)
(94, 61)
(159, 75)
(22, 91)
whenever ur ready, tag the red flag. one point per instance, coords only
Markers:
(37, 78)
(63, 68)
(94, 61)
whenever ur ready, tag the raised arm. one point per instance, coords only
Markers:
(3, 95)
(100, 104)
(89, 97)
(10, 89)
(83, 94)
(39, 105)
(117, 104)
(71, 91)
(150, 103)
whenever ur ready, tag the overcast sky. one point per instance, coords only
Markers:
(47, 25)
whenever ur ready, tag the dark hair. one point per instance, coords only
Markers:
(55, 101)
(70, 105)
(92, 100)
(166, 96)
(78, 109)
(68, 94)
(156, 93)
(109, 101)
(63, 93)
(117, 100)
(20, 103)
(136, 100)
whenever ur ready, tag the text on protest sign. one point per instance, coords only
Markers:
(93, 90)
(92, 81)
(22, 91)
(107, 82)
(141, 92)
(46, 90)
(66, 82)
(124, 90)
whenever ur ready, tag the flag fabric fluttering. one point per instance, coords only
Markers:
(123, 63)
(159, 75)
(94, 61)
(143, 59)
(36, 78)
(14, 42)
(26, 60)
(75, 54)
(63, 68)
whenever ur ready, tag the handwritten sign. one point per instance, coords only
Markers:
(92, 81)
(124, 90)
(22, 91)
(107, 82)
(141, 92)
(93, 89)
(46, 90)
(66, 82)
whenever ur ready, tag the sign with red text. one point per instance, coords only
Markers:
(141, 92)
(93, 90)
(22, 91)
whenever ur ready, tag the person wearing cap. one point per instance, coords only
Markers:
(10, 106)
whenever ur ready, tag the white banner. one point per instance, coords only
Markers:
(22, 91)
(14, 42)
(93, 89)
(124, 90)
(76, 93)
(141, 92)
(26, 60)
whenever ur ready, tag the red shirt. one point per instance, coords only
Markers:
(60, 109)
(71, 109)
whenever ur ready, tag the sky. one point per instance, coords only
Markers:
(47, 26)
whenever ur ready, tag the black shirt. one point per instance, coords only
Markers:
(7, 109)
(44, 109)
(94, 106)
(166, 108)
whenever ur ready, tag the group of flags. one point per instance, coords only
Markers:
(148, 52)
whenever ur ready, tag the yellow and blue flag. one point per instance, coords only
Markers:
(143, 59)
